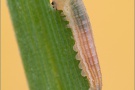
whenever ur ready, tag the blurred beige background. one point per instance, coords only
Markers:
(113, 28)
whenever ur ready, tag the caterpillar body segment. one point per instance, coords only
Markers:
(84, 43)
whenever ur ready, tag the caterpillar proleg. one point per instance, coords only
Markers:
(84, 44)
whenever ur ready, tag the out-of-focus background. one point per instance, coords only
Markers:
(113, 28)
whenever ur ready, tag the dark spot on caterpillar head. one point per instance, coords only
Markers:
(53, 3)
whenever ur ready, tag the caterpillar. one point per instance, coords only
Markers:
(84, 43)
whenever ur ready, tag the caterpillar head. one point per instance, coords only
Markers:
(58, 4)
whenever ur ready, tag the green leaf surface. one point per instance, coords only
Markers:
(46, 46)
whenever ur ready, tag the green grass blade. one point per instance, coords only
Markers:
(46, 46)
